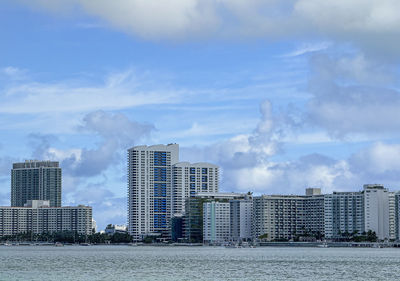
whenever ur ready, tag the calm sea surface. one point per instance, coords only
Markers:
(196, 263)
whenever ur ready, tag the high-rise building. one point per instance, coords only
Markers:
(344, 214)
(397, 215)
(36, 180)
(241, 219)
(149, 188)
(349, 213)
(376, 208)
(158, 185)
(392, 215)
(38, 217)
(190, 179)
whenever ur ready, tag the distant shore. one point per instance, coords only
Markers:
(260, 244)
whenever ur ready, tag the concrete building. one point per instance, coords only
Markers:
(397, 215)
(344, 214)
(193, 219)
(149, 189)
(158, 185)
(36, 180)
(38, 217)
(241, 219)
(288, 217)
(216, 222)
(189, 179)
(348, 213)
(376, 208)
(392, 215)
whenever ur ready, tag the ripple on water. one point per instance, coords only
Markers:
(197, 263)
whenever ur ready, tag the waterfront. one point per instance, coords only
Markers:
(196, 263)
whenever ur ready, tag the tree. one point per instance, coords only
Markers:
(371, 236)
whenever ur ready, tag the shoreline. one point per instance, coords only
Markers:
(258, 245)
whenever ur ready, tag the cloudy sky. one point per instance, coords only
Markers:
(282, 94)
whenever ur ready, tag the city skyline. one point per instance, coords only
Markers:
(279, 101)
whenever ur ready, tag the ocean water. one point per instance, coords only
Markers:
(197, 263)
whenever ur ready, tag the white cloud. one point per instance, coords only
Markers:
(351, 16)
(308, 48)
(380, 159)
(116, 133)
(352, 95)
(359, 21)
(120, 90)
(13, 73)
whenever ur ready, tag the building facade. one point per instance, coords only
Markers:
(216, 222)
(36, 180)
(149, 189)
(392, 215)
(241, 219)
(376, 210)
(397, 215)
(38, 217)
(194, 212)
(189, 179)
(158, 185)
(288, 217)
(344, 214)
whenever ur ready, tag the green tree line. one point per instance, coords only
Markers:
(68, 237)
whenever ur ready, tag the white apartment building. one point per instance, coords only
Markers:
(344, 213)
(397, 215)
(38, 217)
(376, 208)
(149, 188)
(189, 179)
(392, 215)
(216, 222)
(373, 209)
(158, 185)
(286, 217)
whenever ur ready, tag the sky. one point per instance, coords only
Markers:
(281, 94)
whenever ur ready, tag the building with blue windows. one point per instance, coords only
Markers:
(150, 189)
(158, 185)
(189, 179)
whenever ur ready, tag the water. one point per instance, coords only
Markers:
(196, 263)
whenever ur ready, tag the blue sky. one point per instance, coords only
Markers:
(282, 95)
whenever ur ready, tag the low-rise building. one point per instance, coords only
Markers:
(111, 229)
(38, 217)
